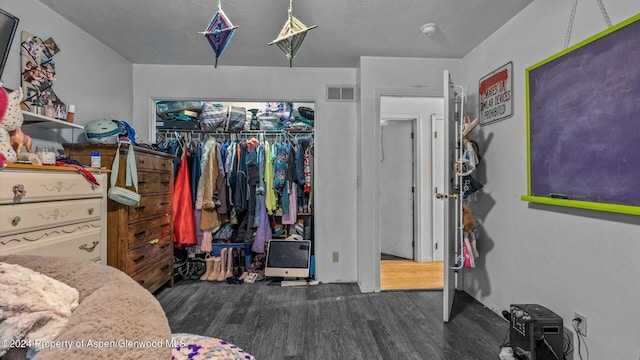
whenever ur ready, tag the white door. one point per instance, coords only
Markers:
(397, 184)
(449, 196)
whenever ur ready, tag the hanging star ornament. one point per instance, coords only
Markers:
(291, 36)
(219, 32)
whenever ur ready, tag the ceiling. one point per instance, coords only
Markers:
(166, 31)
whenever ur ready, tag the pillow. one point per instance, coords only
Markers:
(33, 306)
(190, 346)
(13, 119)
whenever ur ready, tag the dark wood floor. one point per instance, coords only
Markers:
(334, 321)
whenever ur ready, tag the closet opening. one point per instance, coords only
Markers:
(250, 170)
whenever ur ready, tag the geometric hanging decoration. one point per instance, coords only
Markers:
(291, 36)
(219, 32)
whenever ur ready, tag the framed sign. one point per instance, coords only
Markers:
(495, 95)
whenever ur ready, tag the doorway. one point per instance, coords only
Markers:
(409, 249)
(397, 187)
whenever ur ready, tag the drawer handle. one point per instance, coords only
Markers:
(91, 211)
(164, 268)
(165, 224)
(164, 203)
(138, 208)
(164, 246)
(141, 282)
(141, 182)
(165, 182)
(139, 233)
(89, 249)
(141, 161)
(154, 241)
(15, 221)
(138, 259)
(19, 192)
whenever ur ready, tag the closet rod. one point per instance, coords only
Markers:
(235, 132)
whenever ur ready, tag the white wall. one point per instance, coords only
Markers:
(335, 136)
(565, 259)
(378, 77)
(88, 74)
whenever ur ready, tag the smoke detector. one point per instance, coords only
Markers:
(429, 28)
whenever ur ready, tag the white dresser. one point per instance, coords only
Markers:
(52, 211)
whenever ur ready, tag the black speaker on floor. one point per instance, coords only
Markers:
(536, 331)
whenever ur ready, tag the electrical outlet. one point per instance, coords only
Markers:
(581, 324)
(336, 256)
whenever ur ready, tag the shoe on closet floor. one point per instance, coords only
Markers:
(216, 269)
(208, 261)
(223, 265)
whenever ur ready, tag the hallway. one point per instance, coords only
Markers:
(410, 275)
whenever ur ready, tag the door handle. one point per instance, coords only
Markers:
(441, 196)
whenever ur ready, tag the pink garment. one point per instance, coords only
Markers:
(467, 253)
(206, 242)
(292, 216)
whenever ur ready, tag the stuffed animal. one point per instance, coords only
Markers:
(20, 139)
(13, 117)
(7, 154)
(12, 138)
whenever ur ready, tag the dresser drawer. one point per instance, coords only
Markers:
(45, 186)
(154, 276)
(151, 205)
(147, 254)
(150, 162)
(141, 232)
(154, 182)
(28, 217)
(77, 241)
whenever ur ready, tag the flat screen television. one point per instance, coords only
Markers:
(8, 26)
(288, 259)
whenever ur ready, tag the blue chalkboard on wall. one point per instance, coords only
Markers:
(583, 115)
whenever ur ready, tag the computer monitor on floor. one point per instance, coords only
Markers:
(289, 259)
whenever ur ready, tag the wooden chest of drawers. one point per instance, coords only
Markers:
(52, 211)
(140, 237)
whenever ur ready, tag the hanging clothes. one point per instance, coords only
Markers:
(184, 229)
(263, 234)
(240, 193)
(280, 166)
(209, 219)
(220, 194)
(196, 171)
(291, 217)
(271, 202)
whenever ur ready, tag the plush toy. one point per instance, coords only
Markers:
(7, 151)
(4, 102)
(12, 138)
(7, 154)
(13, 118)
(20, 139)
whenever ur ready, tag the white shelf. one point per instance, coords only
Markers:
(47, 122)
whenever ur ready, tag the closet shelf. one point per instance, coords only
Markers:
(47, 122)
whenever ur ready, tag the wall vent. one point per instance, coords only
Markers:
(341, 93)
